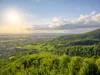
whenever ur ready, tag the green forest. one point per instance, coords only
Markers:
(77, 54)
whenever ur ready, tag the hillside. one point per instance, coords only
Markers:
(74, 45)
(88, 38)
(89, 35)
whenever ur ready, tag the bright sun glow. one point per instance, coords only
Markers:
(14, 22)
(13, 17)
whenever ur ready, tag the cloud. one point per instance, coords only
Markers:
(93, 13)
(56, 22)
(83, 18)
(83, 21)
(96, 18)
(80, 24)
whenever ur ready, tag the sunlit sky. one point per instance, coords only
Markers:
(49, 16)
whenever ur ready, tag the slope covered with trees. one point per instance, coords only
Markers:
(75, 45)
(50, 64)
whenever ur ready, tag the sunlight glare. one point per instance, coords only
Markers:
(13, 17)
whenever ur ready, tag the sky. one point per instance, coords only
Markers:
(49, 16)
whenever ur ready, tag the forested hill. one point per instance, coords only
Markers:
(89, 35)
(86, 44)
(89, 38)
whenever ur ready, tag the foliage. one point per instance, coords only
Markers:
(50, 64)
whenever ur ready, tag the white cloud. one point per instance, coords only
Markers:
(93, 12)
(56, 22)
(56, 19)
(96, 18)
(82, 23)
(84, 18)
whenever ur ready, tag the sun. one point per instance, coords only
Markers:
(14, 22)
(13, 17)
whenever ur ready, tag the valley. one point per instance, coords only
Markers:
(50, 54)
